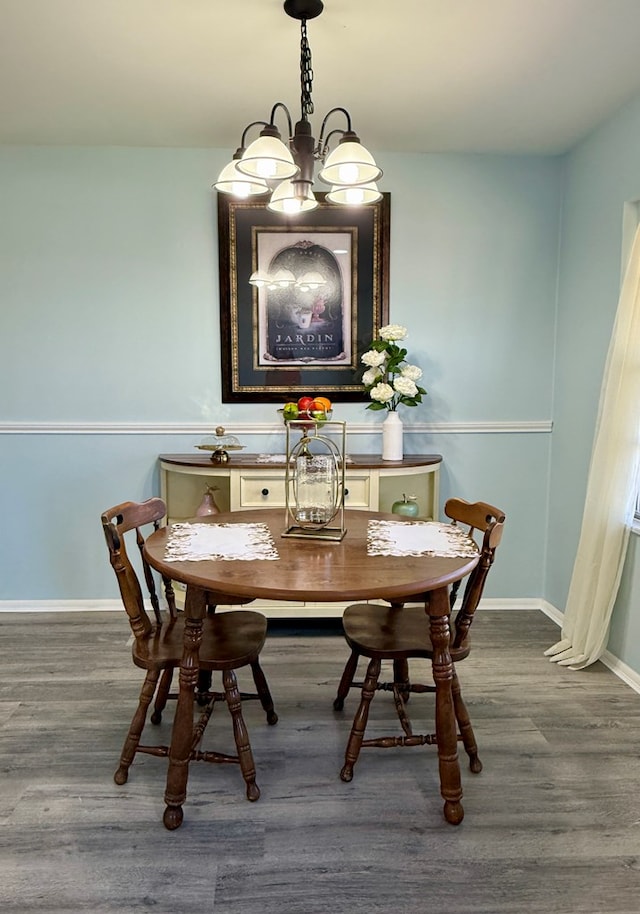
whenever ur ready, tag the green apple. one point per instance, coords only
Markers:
(290, 411)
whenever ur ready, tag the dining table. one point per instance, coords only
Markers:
(307, 569)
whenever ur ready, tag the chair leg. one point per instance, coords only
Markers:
(162, 695)
(205, 677)
(464, 725)
(360, 720)
(401, 678)
(137, 726)
(346, 681)
(240, 734)
(264, 694)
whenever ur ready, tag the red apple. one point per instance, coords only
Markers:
(305, 404)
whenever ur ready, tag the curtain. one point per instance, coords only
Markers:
(612, 488)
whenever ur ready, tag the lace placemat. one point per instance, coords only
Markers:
(387, 537)
(201, 542)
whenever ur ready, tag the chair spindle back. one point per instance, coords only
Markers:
(116, 522)
(489, 521)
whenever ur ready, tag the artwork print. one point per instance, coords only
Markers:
(306, 324)
(280, 341)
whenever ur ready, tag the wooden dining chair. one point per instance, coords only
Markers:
(230, 641)
(399, 633)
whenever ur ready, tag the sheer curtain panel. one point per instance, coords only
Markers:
(612, 488)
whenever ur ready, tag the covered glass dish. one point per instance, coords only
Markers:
(220, 445)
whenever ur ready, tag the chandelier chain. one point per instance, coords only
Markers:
(306, 73)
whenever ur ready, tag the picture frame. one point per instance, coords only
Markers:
(280, 342)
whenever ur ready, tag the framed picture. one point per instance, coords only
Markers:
(324, 294)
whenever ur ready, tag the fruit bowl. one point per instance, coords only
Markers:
(315, 416)
(317, 409)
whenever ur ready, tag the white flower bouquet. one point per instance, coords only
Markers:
(389, 379)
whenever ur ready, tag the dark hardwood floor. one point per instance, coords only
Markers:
(552, 824)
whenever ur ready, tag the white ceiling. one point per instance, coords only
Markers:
(510, 76)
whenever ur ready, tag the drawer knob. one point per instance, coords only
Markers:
(346, 492)
(265, 491)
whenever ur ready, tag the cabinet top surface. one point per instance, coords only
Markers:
(253, 461)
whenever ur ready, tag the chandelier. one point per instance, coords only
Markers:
(268, 165)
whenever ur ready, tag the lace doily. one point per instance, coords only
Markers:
(387, 537)
(282, 458)
(271, 458)
(200, 542)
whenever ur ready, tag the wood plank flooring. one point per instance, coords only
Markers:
(552, 824)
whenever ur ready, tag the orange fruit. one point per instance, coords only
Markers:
(324, 401)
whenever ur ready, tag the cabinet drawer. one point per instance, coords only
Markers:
(357, 491)
(257, 490)
(260, 491)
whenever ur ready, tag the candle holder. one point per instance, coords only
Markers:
(315, 479)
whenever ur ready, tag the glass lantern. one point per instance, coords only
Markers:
(314, 483)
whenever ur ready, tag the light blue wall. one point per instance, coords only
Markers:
(108, 281)
(109, 314)
(601, 175)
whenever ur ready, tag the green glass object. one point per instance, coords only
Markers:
(408, 507)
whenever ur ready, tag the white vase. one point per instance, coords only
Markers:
(392, 437)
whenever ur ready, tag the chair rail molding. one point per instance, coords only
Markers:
(543, 426)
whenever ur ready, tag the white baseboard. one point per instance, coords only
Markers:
(552, 612)
(60, 606)
(620, 669)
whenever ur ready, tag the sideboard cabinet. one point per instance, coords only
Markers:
(258, 480)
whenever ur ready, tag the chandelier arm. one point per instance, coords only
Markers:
(323, 148)
(247, 129)
(287, 114)
(337, 130)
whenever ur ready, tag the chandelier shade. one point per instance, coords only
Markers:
(286, 169)
(350, 163)
(291, 199)
(358, 195)
(269, 159)
(232, 181)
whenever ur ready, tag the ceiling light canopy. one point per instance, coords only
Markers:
(269, 165)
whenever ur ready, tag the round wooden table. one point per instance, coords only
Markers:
(309, 569)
